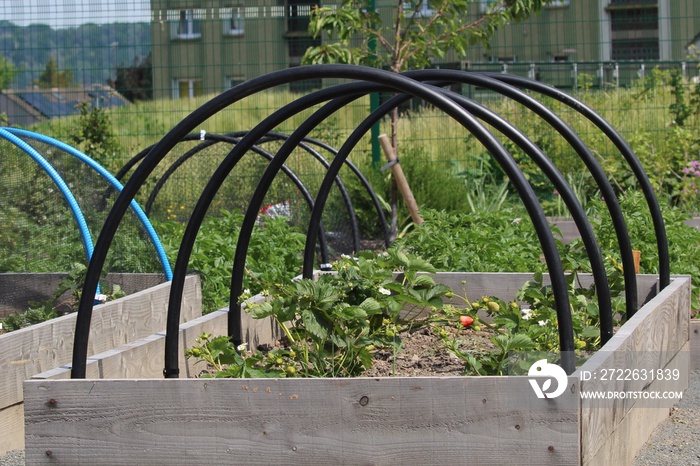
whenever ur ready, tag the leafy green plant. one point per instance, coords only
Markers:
(227, 361)
(683, 241)
(94, 135)
(274, 254)
(497, 362)
(332, 324)
(524, 334)
(483, 241)
(412, 36)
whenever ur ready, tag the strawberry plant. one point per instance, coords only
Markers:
(333, 324)
(274, 254)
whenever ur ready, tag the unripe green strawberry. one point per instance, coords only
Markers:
(493, 306)
(290, 370)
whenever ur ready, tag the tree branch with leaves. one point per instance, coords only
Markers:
(355, 32)
(418, 32)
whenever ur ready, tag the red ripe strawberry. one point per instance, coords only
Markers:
(465, 321)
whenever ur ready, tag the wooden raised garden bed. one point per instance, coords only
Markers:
(417, 420)
(48, 345)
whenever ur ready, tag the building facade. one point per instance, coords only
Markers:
(206, 46)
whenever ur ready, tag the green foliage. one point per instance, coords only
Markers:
(414, 34)
(228, 361)
(683, 241)
(93, 134)
(53, 77)
(7, 72)
(485, 197)
(679, 108)
(274, 254)
(435, 186)
(333, 324)
(527, 333)
(486, 241)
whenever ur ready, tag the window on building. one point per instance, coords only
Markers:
(557, 4)
(635, 29)
(232, 81)
(636, 49)
(233, 20)
(299, 15)
(502, 59)
(629, 3)
(187, 88)
(185, 24)
(634, 19)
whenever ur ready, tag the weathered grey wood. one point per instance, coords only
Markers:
(48, 345)
(651, 339)
(452, 420)
(44, 346)
(695, 344)
(18, 290)
(569, 231)
(144, 358)
(632, 430)
(505, 285)
(12, 428)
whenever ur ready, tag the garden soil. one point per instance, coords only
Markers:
(422, 354)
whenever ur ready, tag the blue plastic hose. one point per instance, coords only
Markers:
(102, 172)
(62, 187)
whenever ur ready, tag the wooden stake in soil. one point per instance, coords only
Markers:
(637, 257)
(400, 178)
